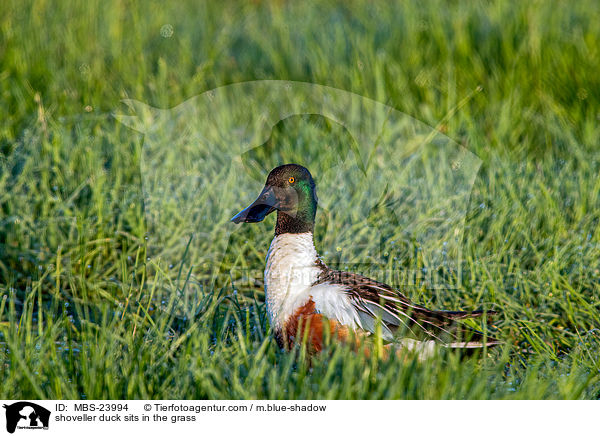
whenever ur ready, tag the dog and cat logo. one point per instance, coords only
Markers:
(26, 415)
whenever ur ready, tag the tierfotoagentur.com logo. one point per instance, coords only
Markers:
(377, 169)
(26, 415)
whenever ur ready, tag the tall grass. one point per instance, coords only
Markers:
(87, 311)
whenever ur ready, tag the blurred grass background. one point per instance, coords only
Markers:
(516, 83)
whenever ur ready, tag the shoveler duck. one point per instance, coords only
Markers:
(302, 291)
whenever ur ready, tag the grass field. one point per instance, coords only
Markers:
(91, 308)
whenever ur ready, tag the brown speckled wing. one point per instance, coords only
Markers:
(374, 300)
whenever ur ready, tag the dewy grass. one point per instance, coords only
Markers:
(89, 310)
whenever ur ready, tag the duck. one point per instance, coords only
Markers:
(306, 299)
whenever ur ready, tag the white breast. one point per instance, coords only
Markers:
(291, 269)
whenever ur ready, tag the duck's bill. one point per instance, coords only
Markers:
(257, 211)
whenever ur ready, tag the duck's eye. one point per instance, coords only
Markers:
(291, 180)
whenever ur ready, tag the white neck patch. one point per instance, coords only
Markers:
(290, 271)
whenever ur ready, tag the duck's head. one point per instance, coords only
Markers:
(289, 190)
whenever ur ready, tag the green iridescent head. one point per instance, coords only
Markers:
(289, 190)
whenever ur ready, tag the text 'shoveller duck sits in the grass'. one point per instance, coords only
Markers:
(301, 291)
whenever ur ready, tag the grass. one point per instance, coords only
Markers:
(93, 307)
